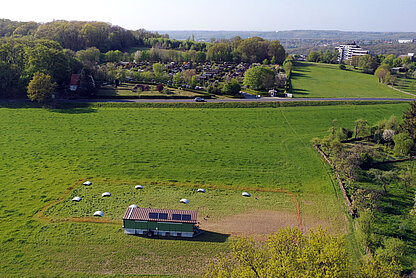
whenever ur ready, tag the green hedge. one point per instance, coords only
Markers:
(28, 104)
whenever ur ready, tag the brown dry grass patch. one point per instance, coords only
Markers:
(258, 222)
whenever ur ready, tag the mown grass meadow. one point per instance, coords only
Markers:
(328, 81)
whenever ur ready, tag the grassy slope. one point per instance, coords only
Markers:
(406, 84)
(46, 152)
(325, 80)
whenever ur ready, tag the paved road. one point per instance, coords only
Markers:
(251, 99)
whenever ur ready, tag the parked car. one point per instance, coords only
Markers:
(199, 99)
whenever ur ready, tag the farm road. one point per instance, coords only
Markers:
(254, 99)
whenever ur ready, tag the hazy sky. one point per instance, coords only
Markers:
(241, 15)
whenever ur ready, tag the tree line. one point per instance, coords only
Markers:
(20, 59)
(80, 35)
(251, 50)
(290, 253)
(359, 155)
(61, 48)
(77, 35)
(380, 65)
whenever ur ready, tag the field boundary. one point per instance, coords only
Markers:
(85, 104)
(401, 91)
(341, 185)
(41, 213)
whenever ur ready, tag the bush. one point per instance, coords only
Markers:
(402, 144)
(259, 78)
(212, 89)
(159, 88)
(231, 88)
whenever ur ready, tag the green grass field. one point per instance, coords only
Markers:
(45, 152)
(326, 80)
(214, 203)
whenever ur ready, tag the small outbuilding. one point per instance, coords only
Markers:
(76, 199)
(87, 183)
(201, 190)
(139, 186)
(163, 222)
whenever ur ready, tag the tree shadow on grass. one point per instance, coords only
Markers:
(303, 64)
(396, 204)
(107, 92)
(74, 110)
(68, 108)
(300, 92)
(206, 236)
(298, 74)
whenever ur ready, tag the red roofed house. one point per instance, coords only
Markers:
(74, 83)
(164, 222)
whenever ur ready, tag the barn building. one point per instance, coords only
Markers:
(164, 222)
(74, 83)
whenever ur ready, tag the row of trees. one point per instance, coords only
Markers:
(20, 59)
(80, 35)
(329, 57)
(251, 50)
(169, 55)
(383, 72)
(166, 43)
(367, 63)
(289, 253)
(357, 164)
(264, 77)
(400, 137)
(77, 35)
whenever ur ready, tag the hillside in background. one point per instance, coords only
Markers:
(287, 35)
(303, 41)
(375, 47)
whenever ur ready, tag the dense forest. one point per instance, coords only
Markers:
(76, 35)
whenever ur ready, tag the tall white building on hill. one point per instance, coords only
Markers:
(347, 51)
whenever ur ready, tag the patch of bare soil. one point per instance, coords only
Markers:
(334, 225)
(260, 222)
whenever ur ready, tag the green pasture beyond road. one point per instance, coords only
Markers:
(312, 80)
(44, 152)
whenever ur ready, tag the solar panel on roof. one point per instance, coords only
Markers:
(176, 216)
(153, 215)
(163, 216)
(186, 217)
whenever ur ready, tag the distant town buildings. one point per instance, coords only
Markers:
(410, 55)
(406, 40)
(347, 51)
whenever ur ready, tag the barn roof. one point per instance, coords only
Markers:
(161, 215)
